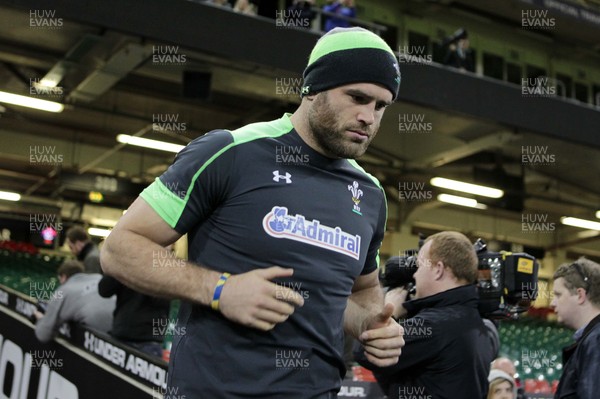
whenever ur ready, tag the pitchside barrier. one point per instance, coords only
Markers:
(85, 364)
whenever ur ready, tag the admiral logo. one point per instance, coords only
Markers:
(279, 224)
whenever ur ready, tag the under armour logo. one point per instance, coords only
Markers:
(277, 177)
(305, 89)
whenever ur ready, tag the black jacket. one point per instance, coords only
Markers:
(90, 257)
(448, 349)
(581, 366)
(137, 317)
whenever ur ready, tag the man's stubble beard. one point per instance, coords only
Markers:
(330, 136)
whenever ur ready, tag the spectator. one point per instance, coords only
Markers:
(459, 54)
(220, 3)
(84, 249)
(506, 365)
(245, 7)
(448, 348)
(577, 305)
(343, 8)
(300, 13)
(136, 316)
(502, 385)
(76, 300)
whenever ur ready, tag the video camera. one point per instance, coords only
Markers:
(507, 282)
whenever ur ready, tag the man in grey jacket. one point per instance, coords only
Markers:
(76, 300)
(86, 251)
(577, 305)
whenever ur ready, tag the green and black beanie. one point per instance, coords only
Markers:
(351, 55)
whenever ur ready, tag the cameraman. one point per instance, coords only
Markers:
(448, 348)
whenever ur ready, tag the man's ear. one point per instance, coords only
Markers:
(581, 296)
(439, 269)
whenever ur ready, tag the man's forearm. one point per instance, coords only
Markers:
(151, 269)
(362, 306)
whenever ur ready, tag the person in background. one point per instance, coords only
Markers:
(449, 347)
(301, 11)
(502, 385)
(245, 7)
(577, 305)
(344, 8)
(506, 365)
(84, 249)
(459, 54)
(221, 3)
(139, 320)
(76, 300)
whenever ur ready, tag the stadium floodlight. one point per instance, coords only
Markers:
(9, 196)
(462, 201)
(30, 102)
(466, 187)
(149, 143)
(581, 223)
